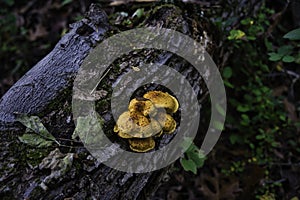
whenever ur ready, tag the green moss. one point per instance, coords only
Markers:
(103, 105)
(35, 156)
(162, 8)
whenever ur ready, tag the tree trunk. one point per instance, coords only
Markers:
(67, 171)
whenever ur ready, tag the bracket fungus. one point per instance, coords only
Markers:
(163, 100)
(167, 122)
(142, 145)
(145, 106)
(145, 119)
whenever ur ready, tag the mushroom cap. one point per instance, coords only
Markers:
(145, 106)
(136, 125)
(163, 100)
(146, 127)
(154, 128)
(125, 123)
(167, 122)
(146, 118)
(124, 135)
(141, 145)
(139, 119)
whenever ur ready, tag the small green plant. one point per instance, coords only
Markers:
(252, 27)
(283, 53)
(236, 34)
(235, 167)
(256, 120)
(227, 74)
(287, 53)
(193, 157)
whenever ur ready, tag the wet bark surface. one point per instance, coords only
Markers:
(68, 170)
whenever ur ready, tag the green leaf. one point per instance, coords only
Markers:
(65, 2)
(260, 137)
(257, 92)
(245, 120)
(247, 21)
(188, 165)
(227, 84)
(282, 117)
(274, 56)
(293, 35)
(243, 108)
(268, 44)
(265, 67)
(288, 59)
(261, 131)
(236, 34)
(198, 157)
(127, 22)
(195, 157)
(251, 37)
(139, 13)
(192, 148)
(34, 124)
(35, 140)
(87, 128)
(251, 145)
(285, 50)
(187, 143)
(227, 72)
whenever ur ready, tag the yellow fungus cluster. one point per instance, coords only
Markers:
(147, 117)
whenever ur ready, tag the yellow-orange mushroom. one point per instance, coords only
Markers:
(163, 100)
(142, 145)
(145, 107)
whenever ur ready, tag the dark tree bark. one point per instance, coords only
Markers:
(27, 172)
(54, 73)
